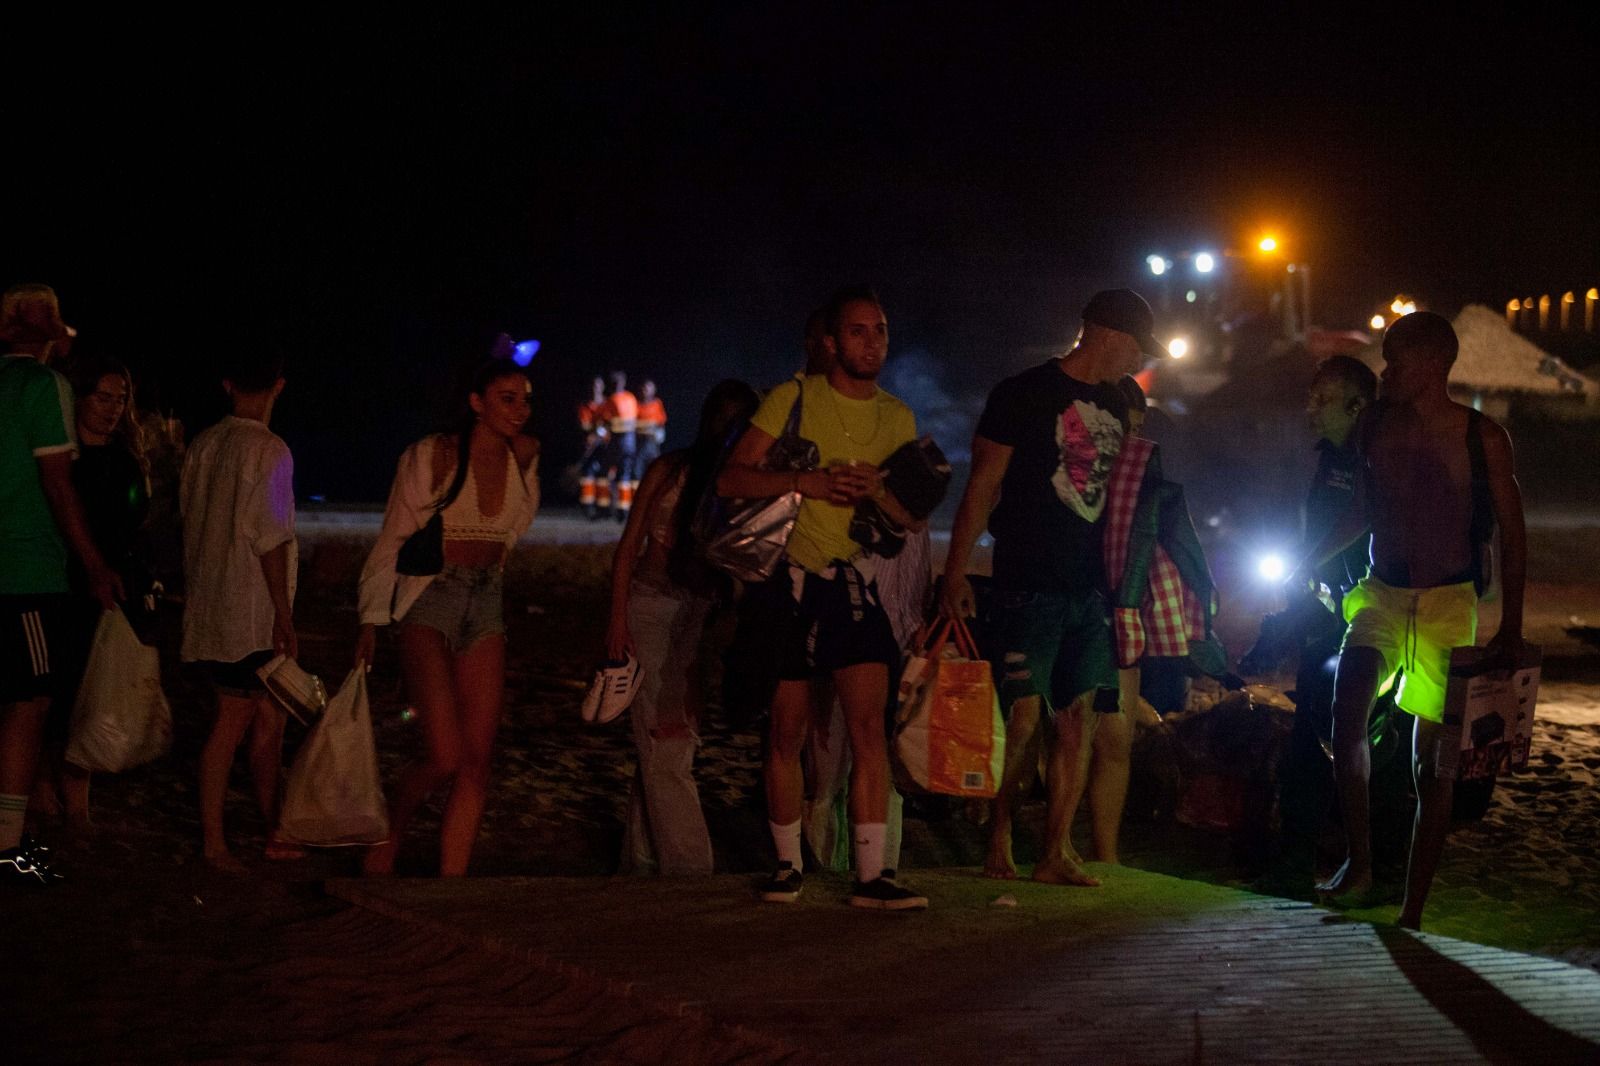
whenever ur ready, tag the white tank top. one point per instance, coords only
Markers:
(465, 520)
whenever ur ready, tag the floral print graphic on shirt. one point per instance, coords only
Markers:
(1088, 438)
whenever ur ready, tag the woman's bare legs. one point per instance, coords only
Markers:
(428, 667)
(480, 674)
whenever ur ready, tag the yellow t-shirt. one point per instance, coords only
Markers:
(843, 429)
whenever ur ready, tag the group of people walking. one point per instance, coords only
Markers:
(1096, 569)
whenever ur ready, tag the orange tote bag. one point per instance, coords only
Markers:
(950, 737)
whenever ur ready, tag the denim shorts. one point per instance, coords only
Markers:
(1056, 645)
(464, 603)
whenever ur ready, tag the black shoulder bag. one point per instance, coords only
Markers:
(422, 555)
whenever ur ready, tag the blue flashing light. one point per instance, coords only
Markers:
(522, 352)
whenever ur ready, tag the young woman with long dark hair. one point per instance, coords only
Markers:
(451, 627)
(661, 593)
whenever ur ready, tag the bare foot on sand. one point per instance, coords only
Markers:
(379, 860)
(223, 862)
(998, 864)
(1064, 871)
(1348, 889)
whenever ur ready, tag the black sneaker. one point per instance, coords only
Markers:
(27, 865)
(884, 894)
(783, 886)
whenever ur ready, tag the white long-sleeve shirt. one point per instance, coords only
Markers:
(386, 596)
(237, 498)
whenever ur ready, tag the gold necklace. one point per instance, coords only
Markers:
(877, 416)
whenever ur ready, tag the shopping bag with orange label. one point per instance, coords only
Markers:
(949, 737)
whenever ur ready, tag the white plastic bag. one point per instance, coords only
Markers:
(333, 796)
(121, 718)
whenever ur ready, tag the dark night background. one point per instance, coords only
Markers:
(672, 194)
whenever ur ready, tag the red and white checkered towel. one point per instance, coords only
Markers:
(1171, 614)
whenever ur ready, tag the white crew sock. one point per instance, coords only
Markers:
(12, 811)
(869, 851)
(786, 838)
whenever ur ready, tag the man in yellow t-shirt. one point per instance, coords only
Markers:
(823, 606)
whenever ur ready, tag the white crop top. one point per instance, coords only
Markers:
(464, 518)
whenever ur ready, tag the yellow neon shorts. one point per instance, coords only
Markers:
(1414, 630)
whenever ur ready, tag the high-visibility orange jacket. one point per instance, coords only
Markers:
(652, 415)
(621, 411)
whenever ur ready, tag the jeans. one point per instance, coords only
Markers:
(666, 829)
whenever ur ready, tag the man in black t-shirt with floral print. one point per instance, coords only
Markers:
(1041, 459)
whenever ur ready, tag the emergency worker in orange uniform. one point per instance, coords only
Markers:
(594, 485)
(652, 426)
(621, 418)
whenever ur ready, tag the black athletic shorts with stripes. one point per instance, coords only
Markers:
(30, 629)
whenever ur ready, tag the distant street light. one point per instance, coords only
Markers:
(1378, 322)
(1567, 300)
(1158, 265)
(1178, 347)
(1589, 300)
(1205, 262)
(1512, 307)
(1268, 244)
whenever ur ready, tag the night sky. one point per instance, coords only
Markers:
(671, 195)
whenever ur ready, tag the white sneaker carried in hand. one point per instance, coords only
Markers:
(614, 686)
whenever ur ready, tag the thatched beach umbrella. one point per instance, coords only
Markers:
(1497, 362)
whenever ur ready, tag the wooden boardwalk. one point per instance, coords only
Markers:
(1148, 970)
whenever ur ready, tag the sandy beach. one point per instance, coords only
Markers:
(143, 955)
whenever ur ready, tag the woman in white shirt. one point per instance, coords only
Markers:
(483, 483)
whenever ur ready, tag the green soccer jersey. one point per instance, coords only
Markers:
(35, 420)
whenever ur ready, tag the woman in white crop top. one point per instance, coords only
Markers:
(451, 627)
(661, 593)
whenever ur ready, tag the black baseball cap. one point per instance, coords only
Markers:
(1126, 312)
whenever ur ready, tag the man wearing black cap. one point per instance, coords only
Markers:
(1043, 452)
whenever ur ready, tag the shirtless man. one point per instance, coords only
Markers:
(1416, 492)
